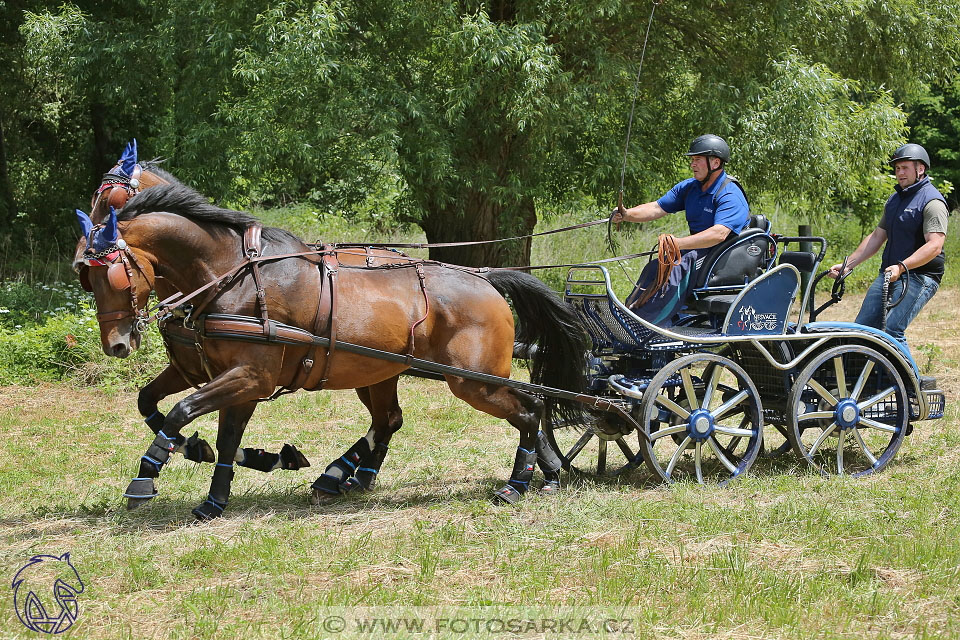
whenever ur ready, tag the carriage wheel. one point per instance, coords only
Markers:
(594, 442)
(703, 416)
(848, 411)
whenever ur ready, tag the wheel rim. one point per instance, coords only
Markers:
(594, 443)
(848, 411)
(713, 438)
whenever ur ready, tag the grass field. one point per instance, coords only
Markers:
(780, 554)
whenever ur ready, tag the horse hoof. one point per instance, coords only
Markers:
(292, 459)
(505, 496)
(319, 497)
(206, 512)
(550, 488)
(133, 503)
(139, 490)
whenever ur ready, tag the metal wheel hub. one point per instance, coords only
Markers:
(700, 425)
(847, 414)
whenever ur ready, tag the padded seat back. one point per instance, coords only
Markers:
(737, 260)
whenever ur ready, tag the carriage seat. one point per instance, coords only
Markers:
(730, 265)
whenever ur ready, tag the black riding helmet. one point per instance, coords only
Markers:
(911, 152)
(710, 145)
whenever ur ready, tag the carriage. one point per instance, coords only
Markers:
(741, 374)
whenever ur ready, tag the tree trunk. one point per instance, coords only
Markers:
(8, 205)
(477, 218)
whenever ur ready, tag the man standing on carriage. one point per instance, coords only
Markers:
(715, 207)
(911, 232)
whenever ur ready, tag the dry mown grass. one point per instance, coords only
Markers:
(779, 554)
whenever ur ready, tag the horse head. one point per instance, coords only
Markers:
(120, 283)
(126, 179)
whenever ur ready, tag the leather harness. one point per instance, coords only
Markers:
(194, 327)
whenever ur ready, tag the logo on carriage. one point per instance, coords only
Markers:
(750, 320)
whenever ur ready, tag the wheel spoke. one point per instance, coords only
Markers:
(816, 415)
(823, 436)
(689, 389)
(840, 442)
(580, 444)
(711, 387)
(876, 425)
(668, 431)
(696, 462)
(863, 445)
(880, 397)
(822, 392)
(841, 376)
(733, 431)
(676, 455)
(719, 453)
(862, 380)
(667, 403)
(626, 449)
(725, 408)
(602, 457)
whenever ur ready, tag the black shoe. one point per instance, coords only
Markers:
(928, 382)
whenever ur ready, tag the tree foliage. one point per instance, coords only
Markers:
(464, 116)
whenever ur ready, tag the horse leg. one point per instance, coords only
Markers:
(359, 466)
(167, 383)
(520, 409)
(235, 386)
(197, 449)
(233, 421)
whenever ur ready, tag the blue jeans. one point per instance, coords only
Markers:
(921, 289)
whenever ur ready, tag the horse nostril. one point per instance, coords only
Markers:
(120, 351)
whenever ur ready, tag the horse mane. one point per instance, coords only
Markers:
(179, 199)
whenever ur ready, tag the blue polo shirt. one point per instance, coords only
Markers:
(732, 210)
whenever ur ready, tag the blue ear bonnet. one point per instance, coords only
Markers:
(128, 160)
(104, 237)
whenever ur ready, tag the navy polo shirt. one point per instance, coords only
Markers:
(732, 210)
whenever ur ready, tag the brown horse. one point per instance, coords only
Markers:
(124, 181)
(449, 315)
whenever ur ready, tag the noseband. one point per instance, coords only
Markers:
(117, 259)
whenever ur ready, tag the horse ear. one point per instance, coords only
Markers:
(109, 233)
(129, 158)
(86, 224)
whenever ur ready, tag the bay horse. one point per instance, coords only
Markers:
(427, 310)
(125, 180)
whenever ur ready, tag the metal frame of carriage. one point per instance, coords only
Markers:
(843, 396)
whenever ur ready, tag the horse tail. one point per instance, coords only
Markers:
(544, 319)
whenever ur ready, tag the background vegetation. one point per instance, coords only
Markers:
(468, 119)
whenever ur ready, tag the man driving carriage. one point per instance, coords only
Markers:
(911, 232)
(715, 207)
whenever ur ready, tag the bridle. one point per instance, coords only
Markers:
(117, 188)
(119, 262)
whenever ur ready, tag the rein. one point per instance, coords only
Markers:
(668, 256)
(436, 245)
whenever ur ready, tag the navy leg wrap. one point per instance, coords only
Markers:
(219, 494)
(334, 479)
(157, 455)
(369, 467)
(519, 480)
(549, 463)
